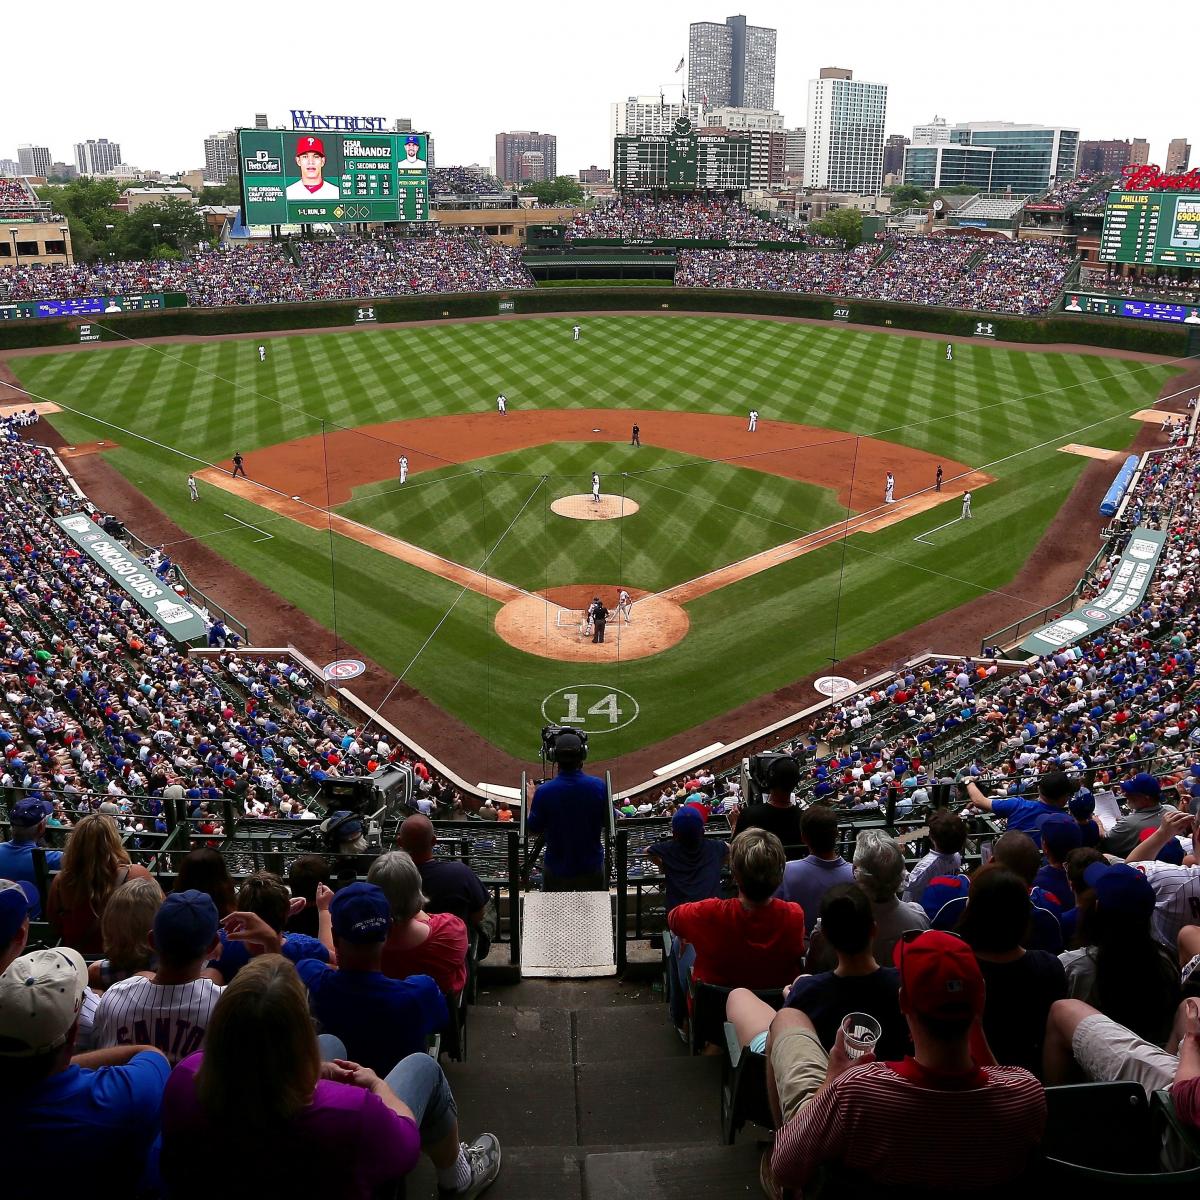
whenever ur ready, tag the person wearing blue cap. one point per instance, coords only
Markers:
(1082, 807)
(1060, 835)
(17, 902)
(27, 819)
(412, 159)
(1143, 797)
(365, 1016)
(691, 862)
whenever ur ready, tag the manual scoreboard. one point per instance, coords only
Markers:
(298, 176)
(1152, 229)
(681, 161)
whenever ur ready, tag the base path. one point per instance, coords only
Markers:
(810, 454)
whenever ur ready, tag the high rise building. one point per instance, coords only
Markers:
(594, 174)
(510, 147)
(1179, 154)
(948, 165)
(96, 156)
(1028, 158)
(793, 156)
(1139, 151)
(844, 150)
(730, 117)
(893, 153)
(34, 160)
(9, 167)
(261, 121)
(768, 140)
(935, 133)
(647, 114)
(220, 157)
(1107, 157)
(531, 166)
(731, 65)
(61, 170)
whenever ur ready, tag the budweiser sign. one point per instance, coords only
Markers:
(1146, 177)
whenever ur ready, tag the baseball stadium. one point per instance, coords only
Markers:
(334, 547)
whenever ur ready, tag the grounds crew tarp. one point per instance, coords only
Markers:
(177, 616)
(1124, 593)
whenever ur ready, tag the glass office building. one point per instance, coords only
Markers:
(949, 166)
(1028, 159)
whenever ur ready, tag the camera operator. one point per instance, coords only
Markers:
(570, 813)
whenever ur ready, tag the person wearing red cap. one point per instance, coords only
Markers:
(888, 1121)
(312, 184)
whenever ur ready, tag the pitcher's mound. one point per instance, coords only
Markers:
(548, 624)
(584, 508)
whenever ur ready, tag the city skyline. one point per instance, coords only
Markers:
(927, 70)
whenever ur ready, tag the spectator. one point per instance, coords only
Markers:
(753, 940)
(449, 886)
(1021, 984)
(807, 879)
(947, 837)
(171, 1008)
(27, 819)
(94, 864)
(418, 943)
(691, 862)
(205, 870)
(1083, 809)
(1077, 864)
(17, 901)
(125, 930)
(89, 1121)
(307, 1111)
(304, 876)
(1018, 853)
(777, 813)
(1176, 888)
(571, 813)
(375, 1018)
(1020, 813)
(1060, 835)
(857, 984)
(1143, 796)
(887, 1122)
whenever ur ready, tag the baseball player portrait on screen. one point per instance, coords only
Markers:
(312, 184)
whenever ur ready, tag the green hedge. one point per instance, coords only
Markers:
(1092, 331)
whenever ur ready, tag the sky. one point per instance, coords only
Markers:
(158, 78)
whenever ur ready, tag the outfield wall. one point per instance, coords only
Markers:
(956, 323)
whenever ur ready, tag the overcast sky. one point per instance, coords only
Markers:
(158, 77)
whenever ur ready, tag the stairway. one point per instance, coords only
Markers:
(593, 1097)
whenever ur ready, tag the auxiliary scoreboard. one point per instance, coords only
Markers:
(298, 176)
(1152, 229)
(681, 161)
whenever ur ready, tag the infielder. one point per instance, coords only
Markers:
(937, 480)
(262, 354)
(502, 404)
(949, 352)
(636, 440)
(889, 489)
(624, 606)
(595, 487)
(575, 333)
(753, 420)
(404, 468)
(966, 512)
(239, 468)
(193, 488)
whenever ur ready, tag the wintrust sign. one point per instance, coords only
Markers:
(305, 118)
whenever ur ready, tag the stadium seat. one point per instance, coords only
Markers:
(1101, 1128)
(706, 1007)
(743, 1088)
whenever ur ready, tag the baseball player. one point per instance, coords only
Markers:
(404, 468)
(595, 488)
(239, 467)
(889, 489)
(937, 479)
(585, 626)
(262, 354)
(753, 420)
(966, 512)
(636, 440)
(949, 352)
(575, 333)
(193, 488)
(502, 404)
(624, 606)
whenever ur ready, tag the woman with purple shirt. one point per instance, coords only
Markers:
(260, 1090)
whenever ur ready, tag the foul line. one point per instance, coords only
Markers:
(265, 535)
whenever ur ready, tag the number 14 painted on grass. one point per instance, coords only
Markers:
(604, 707)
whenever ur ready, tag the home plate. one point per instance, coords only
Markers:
(1091, 451)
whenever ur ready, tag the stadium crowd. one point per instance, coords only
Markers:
(700, 216)
(1072, 191)
(462, 181)
(1182, 289)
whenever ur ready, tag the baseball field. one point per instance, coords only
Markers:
(754, 558)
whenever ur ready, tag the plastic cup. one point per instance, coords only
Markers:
(860, 1032)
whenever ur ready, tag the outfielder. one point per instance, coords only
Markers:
(595, 487)
(949, 352)
(404, 468)
(502, 404)
(624, 606)
(193, 488)
(966, 512)
(753, 420)
(889, 489)
(262, 354)
(575, 333)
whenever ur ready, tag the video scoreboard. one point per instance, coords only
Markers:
(297, 176)
(82, 306)
(681, 161)
(1152, 229)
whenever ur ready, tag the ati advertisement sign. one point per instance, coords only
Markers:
(177, 616)
(289, 177)
(1125, 591)
(1134, 310)
(841, 314)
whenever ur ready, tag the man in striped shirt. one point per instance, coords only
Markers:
(888, 1121)
(171, 1009)
(1176, 889)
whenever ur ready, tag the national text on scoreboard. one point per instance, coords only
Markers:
(681, 161)
(297, 176)
(1153, 229)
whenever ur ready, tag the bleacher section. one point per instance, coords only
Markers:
(990, 206)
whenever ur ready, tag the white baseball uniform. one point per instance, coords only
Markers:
(1176, 898)
(173, 1017)
(966, 512)
(624, 606)
(889, 489)
(193, 489)
(595, 487)
(403, 468)
(949, 352)
(262, 354)
(502, 404)
(575, 332)
(753, 420)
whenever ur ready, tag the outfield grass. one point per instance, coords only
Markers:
(1003, 411)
